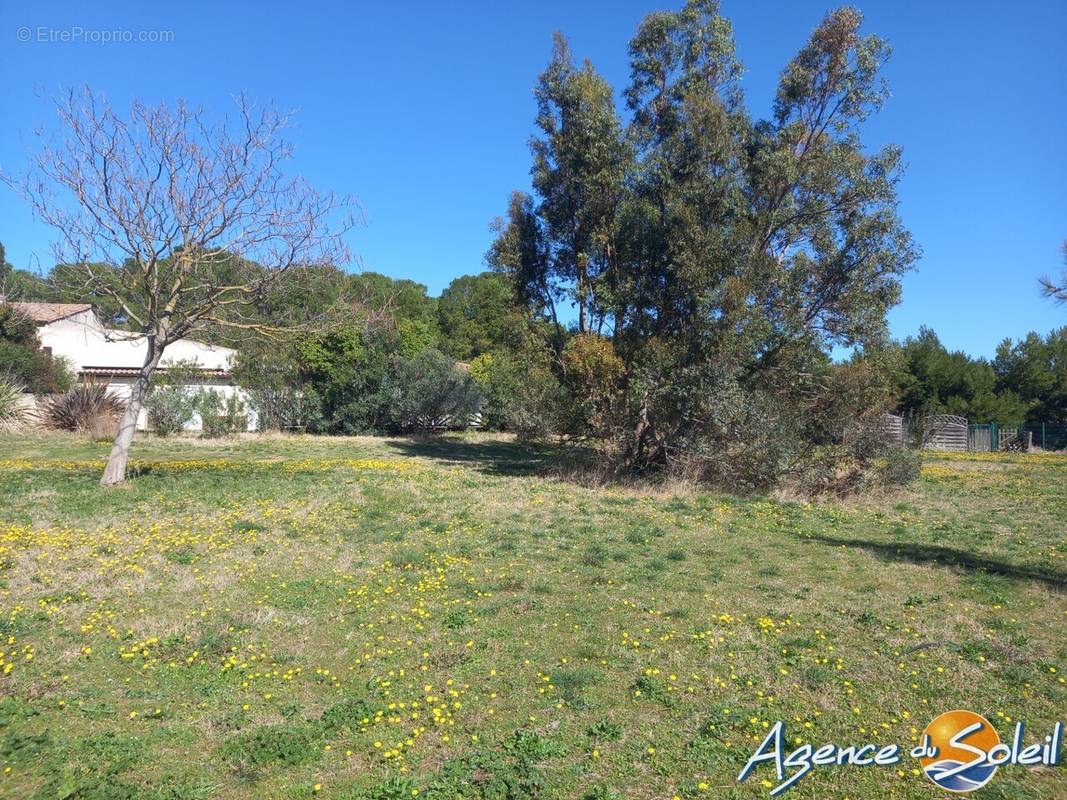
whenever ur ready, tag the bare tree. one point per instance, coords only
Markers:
(1057, 290)
(181, 223)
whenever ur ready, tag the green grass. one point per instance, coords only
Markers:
(389, 618)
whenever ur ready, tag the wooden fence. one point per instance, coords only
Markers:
(895, 430)
(945, 432)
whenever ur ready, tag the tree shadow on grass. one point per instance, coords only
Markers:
(937, 555)
(498, 457)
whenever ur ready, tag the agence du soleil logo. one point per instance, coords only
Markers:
(960, 751)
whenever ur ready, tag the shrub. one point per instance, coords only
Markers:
(171, 404)
(12, 412)
(23, 359)
(522, 394)
(593, 372)
(898, 467)
(277, 394)
(170, 408)
(87, 407)
(220, 416)
(541, 405)
(495, 379)
(347, 369)
(429, 392)
(808, 426)
(286, 408)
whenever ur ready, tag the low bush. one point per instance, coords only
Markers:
(286, 408)
(429, 392)
(12, 412)
(170, 409)
(171, 404)
(88, 407)
(220, 416)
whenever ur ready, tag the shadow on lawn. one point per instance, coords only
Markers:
(495, 456)
(945, 556)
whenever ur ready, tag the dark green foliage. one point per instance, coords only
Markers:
(722, 257)
(287, 745)
(1026, 382)
(531, 746)
(373, 375)
(651, 687)
(346, 368)
(351, 714)
(428, 392)
(522, 393)
(457, 619)
(183, 555)
(580, 162)
(571, 683)
(478, 314)
(486, 775)
(1034, 370)
(270, 374)
(20, 284)
(605, 731)
(21, 356)
(405, 299)
(936, 381)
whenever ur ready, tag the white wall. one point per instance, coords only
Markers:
(84, 342)
(123, 386)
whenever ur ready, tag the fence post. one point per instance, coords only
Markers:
(994, 437)
(1042, 435)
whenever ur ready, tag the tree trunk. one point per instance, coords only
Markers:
(115, 470)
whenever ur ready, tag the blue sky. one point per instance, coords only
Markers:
(423, 111)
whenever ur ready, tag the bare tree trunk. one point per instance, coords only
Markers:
(115, 470)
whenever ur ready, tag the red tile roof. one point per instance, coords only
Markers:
(43, 313)
(129, 371)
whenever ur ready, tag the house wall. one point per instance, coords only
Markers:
(123, 387)
(83, 341)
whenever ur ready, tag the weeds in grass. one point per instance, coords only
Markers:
(311, 619)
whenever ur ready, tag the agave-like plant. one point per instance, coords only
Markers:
(89, 407)
(12, 410)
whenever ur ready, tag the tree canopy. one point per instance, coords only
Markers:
(722, 255)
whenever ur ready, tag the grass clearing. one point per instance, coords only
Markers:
(370, 618)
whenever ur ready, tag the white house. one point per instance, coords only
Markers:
(72, 331)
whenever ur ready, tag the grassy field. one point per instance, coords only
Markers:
(349, 618)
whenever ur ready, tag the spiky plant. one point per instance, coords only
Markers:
(88, 407)
(12, 411)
